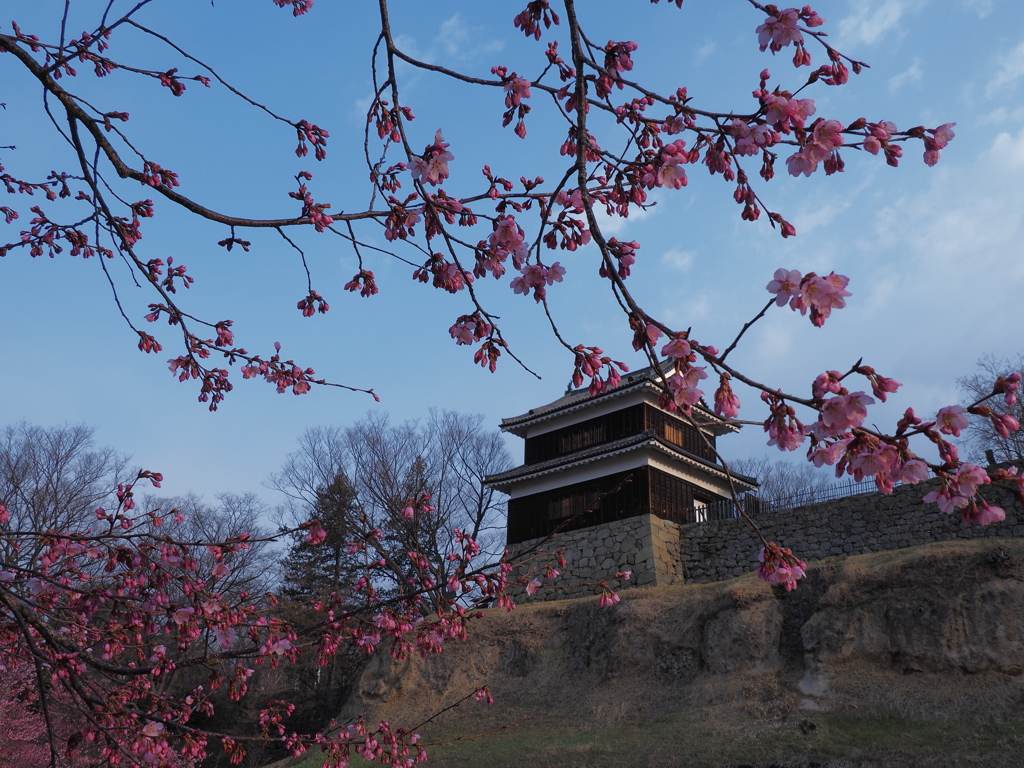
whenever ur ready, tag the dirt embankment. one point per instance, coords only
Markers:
(933, 634)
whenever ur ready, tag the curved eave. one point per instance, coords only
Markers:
(517, 425)
(504, 481)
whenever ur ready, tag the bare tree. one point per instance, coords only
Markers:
(982, 435)
(446, 457)
(784, 483)
(249, 570)
(53, 478)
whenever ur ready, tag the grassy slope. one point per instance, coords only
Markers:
(763, 724)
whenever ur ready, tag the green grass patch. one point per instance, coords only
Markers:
(702, 742)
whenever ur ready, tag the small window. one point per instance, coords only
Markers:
(582, 438)
(674, 434)
(700, 511)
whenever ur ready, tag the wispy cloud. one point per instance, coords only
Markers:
(706, 50)
(692, 308)
(1010, 69)
(871, 22)
(678, 260)
(460, 42)
(982, 7)
(616, 226)
(909, 76)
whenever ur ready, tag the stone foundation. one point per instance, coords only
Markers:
(856, 525)
(646, 545)
(660, 552)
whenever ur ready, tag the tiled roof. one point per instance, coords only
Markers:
(614, 448)
(574, 399)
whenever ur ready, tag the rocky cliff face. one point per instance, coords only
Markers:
(934, 632)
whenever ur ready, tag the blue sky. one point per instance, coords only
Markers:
(934, 254)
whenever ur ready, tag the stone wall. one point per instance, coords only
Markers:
(661, 552)
(856, 525)
(647, 546)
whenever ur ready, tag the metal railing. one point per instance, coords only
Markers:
(754, 506)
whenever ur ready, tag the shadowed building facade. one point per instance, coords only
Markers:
(600, 462)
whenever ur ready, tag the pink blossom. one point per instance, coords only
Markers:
(801, 162)
(468, 329)
(751, 139)
(299, 7)
(843, 412)
(678, 348)
(780, 30)
(785, 286)
(225, 637)
(432, 167)
(315, 535)
(683, 386)
(280, 647)
(827, 453)
(782, 111)
(826, 137)
(625, 254)
(221, 571)
(507, 239)
(516, 89)
(363, 282)
(951, 419)
(608, 598)
(947, 497)
(779, 566)
(726, 402)
(981, 512)
(484, 694)
(1008, 386)
(782, 426)
(941, 136)
(968, 477)
(913, 472)
(644, 334)
(1004, 424)
(829, 381)
(532, 586)
(881, 386)
(784, 436)
(879, 460)
(537, 277)
(883, 130)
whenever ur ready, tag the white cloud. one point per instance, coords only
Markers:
(678, 260)
(952, 257)
(870, 22)
(687, 310)
(705, 50)
(982, 7)
(912, 75)
(617, 226)
(460, 42)
(1003, 116)
(1010, 69)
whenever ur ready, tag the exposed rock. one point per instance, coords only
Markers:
(936, 631)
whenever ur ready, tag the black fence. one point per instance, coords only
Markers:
(754, 506)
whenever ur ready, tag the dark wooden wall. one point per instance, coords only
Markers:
(590, 503)
(614, 426)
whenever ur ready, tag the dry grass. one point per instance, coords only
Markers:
(693, 676)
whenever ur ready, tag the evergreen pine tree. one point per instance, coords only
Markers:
(316, 571)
